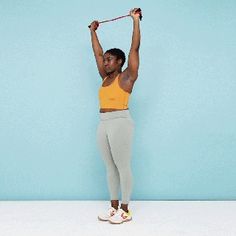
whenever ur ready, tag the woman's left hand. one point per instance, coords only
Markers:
(134, 14)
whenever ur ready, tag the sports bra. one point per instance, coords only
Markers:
(113, 96)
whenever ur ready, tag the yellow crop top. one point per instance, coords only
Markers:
(113, 96)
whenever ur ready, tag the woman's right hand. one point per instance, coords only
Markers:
(94, 25)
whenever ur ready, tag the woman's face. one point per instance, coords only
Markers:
(111, 63)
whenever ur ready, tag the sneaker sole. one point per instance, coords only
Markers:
(127, 220)
(102, 219)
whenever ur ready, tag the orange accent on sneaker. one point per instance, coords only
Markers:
(124, 216)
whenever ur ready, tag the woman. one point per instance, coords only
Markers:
(116, 126)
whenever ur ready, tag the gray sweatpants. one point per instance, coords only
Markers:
(114, 137)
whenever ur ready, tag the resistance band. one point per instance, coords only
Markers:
(120, 17)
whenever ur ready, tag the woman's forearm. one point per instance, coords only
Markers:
(136, 35)
(97, 49)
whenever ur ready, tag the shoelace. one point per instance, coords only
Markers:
(112, 211)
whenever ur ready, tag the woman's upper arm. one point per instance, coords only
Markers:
(133, 64)
(99, 61)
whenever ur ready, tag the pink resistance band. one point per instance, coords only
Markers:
(120, 17)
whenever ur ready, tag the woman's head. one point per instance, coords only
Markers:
(114, 59)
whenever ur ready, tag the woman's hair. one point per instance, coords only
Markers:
(118, 53)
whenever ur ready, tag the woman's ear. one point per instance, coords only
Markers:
(119, 61)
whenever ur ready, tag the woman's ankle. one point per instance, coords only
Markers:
(124, 207)
(115, 204)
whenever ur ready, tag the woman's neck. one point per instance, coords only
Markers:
(113, 74)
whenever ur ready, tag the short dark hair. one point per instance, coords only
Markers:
(118, 53)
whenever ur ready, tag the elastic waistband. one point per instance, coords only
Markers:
(114, 115)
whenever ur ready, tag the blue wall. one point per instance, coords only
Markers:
(183, 103)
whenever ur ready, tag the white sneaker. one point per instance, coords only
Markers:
(120, 216)
(106, 215)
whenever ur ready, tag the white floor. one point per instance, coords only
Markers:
(150, 218)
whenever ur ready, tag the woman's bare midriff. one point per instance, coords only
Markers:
(103, 110)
